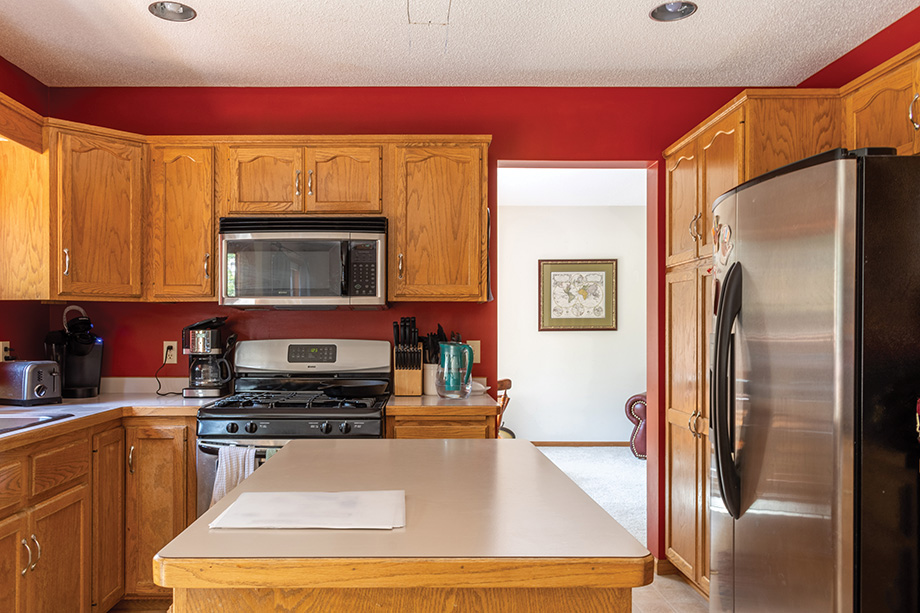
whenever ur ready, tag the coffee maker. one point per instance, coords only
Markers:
(209, 371)
(78, 352)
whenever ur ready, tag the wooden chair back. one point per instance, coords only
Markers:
(502, 386)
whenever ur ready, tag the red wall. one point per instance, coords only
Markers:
(525, 124)
(564, 124)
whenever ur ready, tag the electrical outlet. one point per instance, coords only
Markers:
(170, 351)
(476, 350)
(5, 351)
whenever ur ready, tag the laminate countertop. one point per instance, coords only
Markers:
(88, 412)
(479, 514)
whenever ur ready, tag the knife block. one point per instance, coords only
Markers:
(407, 381)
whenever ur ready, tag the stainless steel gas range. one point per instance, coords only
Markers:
(291, 389)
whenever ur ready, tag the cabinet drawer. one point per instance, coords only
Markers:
(12, 485)
(59, 466)
(441, 428)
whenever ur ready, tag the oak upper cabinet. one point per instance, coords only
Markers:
(343, 180)
(108, 576)
(264, 180)
(721, 150)
(439, 223)
(885, 111)
(687, 430)
(180, 251)
(758, 131)
(98, 205)
(156, 500)
(682, 169)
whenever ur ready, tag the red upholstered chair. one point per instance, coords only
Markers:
(635, 412)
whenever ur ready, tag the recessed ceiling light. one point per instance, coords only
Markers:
(672, 11)
(172, 11)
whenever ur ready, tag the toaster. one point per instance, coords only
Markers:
(30, 382)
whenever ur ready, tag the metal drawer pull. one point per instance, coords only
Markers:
(38, 547)
(29, 563)
(309, 182)
(399, 267)
(207, 266)
(297, 184)
(131, 460)
(696, 225)
(66, 262)
(691, 227)
(910, 112)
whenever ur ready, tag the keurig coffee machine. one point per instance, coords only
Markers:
(209, 371)
(79, 354)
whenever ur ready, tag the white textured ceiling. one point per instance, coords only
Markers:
(435, 42)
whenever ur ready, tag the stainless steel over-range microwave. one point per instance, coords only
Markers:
(303, 262)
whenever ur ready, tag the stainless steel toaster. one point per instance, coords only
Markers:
(30, 382)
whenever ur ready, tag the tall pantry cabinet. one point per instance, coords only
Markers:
(758, 131)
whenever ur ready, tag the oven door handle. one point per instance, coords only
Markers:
(213, 448)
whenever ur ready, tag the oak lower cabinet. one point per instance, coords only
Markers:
(108, 577)
(439, 223)
(884, 111)
(97, 208)
(432, 417)
(180, 251)
(58, 577)
(45, 538)
(688, 311)
(156, 496)
(335, 178)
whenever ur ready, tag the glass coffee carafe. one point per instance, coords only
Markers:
(209, 371)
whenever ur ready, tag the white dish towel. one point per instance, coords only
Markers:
(233, 465)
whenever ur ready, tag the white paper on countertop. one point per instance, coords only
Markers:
(375, 510)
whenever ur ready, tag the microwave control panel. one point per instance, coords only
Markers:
(362, 278)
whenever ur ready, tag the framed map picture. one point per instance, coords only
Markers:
(578, 295)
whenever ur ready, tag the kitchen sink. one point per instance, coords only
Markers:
(18, 421)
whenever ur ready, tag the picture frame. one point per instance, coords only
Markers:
(577, 295)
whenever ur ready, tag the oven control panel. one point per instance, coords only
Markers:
(311, 353)
(286, 428)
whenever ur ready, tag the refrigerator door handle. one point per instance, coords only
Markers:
(721, 402)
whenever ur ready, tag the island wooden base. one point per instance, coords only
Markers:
(375, 600)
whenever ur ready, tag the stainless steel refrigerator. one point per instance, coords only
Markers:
(815, 387)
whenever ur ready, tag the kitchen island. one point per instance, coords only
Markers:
(491, 525)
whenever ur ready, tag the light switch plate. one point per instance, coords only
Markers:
(476, 350)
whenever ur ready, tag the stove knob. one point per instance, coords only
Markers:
(232, 427)
(344, 427)
(325, 427)
(251, 427)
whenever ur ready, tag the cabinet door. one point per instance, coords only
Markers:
(265, 180)
(702, 424)
(682, 468)
(108, 585)
(879, 112)
(181, 248)
(440, 228)
(343, 180)
(59, 532)
(721, 169)
(14, 558)
(99, 207)
(682, 197)
(155, 492)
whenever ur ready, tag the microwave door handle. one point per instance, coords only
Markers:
(346, 270)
